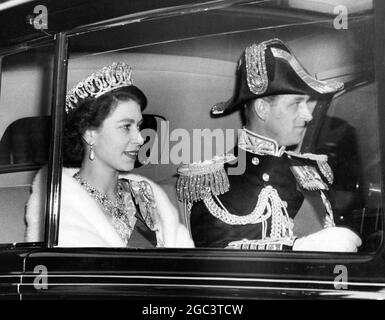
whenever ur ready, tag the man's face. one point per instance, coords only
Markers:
(287, 118)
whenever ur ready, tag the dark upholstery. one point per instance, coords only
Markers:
(26, 141)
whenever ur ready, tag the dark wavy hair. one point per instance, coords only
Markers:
(90, 113)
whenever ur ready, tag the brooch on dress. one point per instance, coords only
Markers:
(144, 197)
(198, 177)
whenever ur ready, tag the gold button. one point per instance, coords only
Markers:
(255, 161)
(265, 177)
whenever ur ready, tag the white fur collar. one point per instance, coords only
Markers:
(82, 223)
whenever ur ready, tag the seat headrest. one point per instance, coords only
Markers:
(26, 141)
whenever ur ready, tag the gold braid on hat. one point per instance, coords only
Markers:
(256, 68)
(117, 75)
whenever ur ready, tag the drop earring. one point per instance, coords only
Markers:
(91, 155)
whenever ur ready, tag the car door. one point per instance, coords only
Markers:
(185, 61)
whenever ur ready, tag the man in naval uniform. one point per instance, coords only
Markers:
(256, 210)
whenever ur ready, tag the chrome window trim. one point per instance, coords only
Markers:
(55, 161)
(27, 45)
(22, 47)
(156, 14)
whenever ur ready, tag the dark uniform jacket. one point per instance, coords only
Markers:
(274, 180)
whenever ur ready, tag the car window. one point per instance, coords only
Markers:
(185, 64)
(25, 104)
(350, 138)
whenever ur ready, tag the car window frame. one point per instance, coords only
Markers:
(158, 14)
(19, 48)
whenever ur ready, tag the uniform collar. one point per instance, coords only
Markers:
(258, 144)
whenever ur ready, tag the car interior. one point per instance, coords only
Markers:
(185, 72)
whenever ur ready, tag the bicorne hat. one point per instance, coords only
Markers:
(270, 68)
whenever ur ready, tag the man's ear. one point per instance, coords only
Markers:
(261, 109)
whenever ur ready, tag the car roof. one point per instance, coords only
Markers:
(72, 14)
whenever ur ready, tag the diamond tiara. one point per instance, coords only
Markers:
(117, 75)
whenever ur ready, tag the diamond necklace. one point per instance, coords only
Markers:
(122, 214)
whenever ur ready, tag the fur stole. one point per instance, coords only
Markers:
(83, 224)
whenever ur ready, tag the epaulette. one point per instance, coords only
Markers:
(198, 178)
(307, 175)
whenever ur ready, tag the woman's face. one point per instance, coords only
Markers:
(118, 139)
